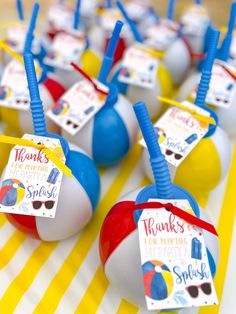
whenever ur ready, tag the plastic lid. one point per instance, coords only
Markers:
(113, 94)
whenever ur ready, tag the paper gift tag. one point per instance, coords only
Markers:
(195, 21)
(179, 132)
(174, 260)
(14, 92)
(15, 38)
(160, 36)
(139, 67)
(222, 90)
(60, 16)
(77, 106)
(31, 183)
(67, 47)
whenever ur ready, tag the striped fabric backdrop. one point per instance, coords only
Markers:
(66, 277)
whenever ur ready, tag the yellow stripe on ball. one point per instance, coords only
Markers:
(201, 170)
(166, 81)
(11, 118)
(91, 63)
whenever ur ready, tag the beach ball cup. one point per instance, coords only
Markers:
(119, 247)
(119, 240)
(77, 202)
(111, 133)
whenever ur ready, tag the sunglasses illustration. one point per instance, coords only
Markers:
(39, 204)
(22, 102)
(170, 152)
(218, 99)
(72, 124)
(194, 290)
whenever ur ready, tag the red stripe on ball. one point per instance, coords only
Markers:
(26, 224)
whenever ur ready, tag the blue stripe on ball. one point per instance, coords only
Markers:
(10, 197)
(158, 287)
(110, 137)
(85, 171)
(211, 263)
(148, 266)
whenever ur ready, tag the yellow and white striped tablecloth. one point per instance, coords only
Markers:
(66, 277)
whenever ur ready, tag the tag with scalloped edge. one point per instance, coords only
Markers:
(174, 259)
(31, 182)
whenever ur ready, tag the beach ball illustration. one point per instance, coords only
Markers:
(161, 133)
(158, 280)
(61, 107)
(12, 192)
(5, 92)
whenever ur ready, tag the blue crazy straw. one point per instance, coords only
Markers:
(30, 33)
(170, 10)
(20, 10)
(77, 15)
(138, 37)
(198, 2)
(159, 166)
(109, 4)
(35, 101)
(207, 69)
(224, 52)
(109, 54)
